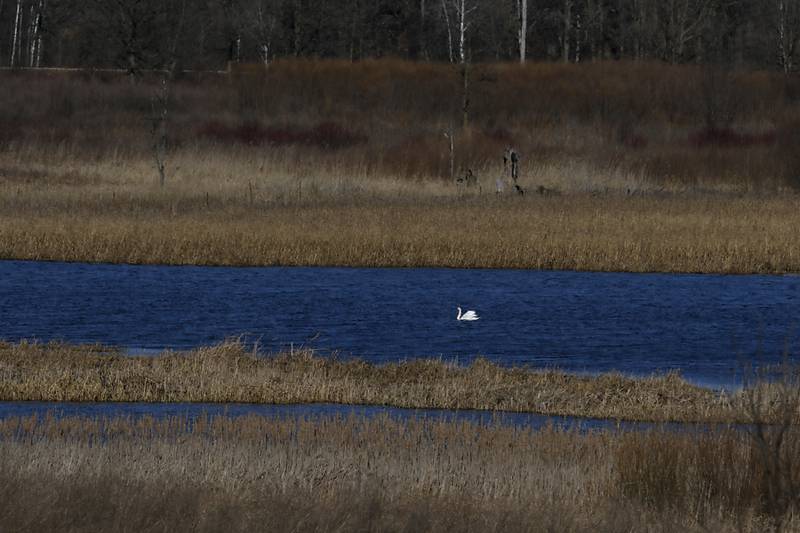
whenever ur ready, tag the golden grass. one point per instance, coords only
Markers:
(78, 183)
(375, 474)
(231, 373)
(671, 233)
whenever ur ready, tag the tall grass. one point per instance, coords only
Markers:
(569, 232)
(370, 474)
(231, 372)
(626, 166)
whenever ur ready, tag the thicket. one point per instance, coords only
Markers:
(668, 124)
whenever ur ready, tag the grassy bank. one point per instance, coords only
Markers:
(231, 373)
(626, 168)
(376, 475)
(663, 233)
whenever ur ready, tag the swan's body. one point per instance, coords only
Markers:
(469, 315)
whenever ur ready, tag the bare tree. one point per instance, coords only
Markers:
(35, 33)
(262, 18)
(787, 32)
(449, 30)
(566, 30)
(423, 42)
(589, 29)
(463, 10)
(522, 36)
(159, 105)
(15, 35)
(773, 409)
(643, 27)
(682, 21)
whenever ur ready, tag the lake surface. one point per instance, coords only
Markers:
(707, 326)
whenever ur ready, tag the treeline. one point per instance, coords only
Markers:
(208, 34)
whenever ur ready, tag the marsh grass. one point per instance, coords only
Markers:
(374, 223)
(329, 163)
(377, 474)
(231, 372)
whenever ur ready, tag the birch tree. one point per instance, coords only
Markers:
(260, 20)
(522, 14)
(266, 20)
(35, 37)
(446, 12)
(566, 29)
(464, 10)
(15, 35)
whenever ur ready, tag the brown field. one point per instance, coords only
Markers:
(573, 232)
(626, 167)
(378, 474)
(231, 372)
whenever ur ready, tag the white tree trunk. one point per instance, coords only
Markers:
(265, 54)
(462, 30)
(40, 33)
(463, 11)
(15, 35)
(35, 34)
(264, 33)
(449, 30)
(522, 7)
(37, 60)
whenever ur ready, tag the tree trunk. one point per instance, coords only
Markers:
(449, 30)
(465, 96)
(39, 34)
(35, 35)
(462, 30)
(522, 6)
(15, 35)
(423, 49)
(566, 30)
(31, 40)
(786, 34)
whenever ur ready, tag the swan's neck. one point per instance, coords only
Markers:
(459, 313)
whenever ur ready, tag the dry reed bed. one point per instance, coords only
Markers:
(230, 372)
(670, 233)
(377, 474)
(667, 124)
(254, 179)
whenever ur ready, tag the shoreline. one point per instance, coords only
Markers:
(402, 267)
(563, 233)
(231, 373)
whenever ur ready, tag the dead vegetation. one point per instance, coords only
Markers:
(332, 163)
(379, 474)
(231, 372)
(570, 232)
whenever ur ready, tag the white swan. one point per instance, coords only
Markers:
(469, 315)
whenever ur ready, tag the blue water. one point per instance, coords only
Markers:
(707, 326)
(97, 410)
(310, 411)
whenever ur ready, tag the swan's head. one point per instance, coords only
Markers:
(459, 309)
